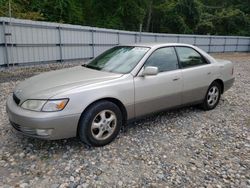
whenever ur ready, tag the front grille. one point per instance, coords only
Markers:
(16, 99)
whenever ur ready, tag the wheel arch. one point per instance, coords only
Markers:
(113, 100)
(219, 81)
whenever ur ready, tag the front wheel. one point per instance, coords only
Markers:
(100, 123)
(212, 97)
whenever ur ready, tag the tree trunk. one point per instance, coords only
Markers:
(149, 15)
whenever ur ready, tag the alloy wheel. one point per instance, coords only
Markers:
(103, 125)
(213, 96)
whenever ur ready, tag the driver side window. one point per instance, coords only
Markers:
(164, 58)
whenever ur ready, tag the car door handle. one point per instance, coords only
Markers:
(208, 73)
(175, 79)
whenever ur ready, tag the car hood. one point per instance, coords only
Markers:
(47, 85)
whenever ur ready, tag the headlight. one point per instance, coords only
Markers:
(35, 105)
(55, 105)
(45, 105)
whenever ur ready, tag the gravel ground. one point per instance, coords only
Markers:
(187, 147)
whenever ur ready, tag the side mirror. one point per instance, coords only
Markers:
(150, 71)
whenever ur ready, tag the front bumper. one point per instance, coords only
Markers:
(29, 122)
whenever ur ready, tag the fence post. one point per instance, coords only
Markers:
(236, 49)
(224, 47)
(60, 44)
(118, 38)
(249, 45)
(194, 40)
(92, 40)
(209, 44)
(178, 38)
(135, 38)
(5, 45)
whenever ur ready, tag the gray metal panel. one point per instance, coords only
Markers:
(217, 40)
(1, 34)
(230, 48)
(35, 41)
(217, 48)
(32, 35)
(147, 38)
(126, 38)
(203, 47)
(105, 38)
(53, 53)
(52, 36)
(75, 37)
(76, 52)
(202, 40)
(243, 48)
(23, 35)
(244, 41)
(2, 56)
(167, 39)
(161, 38)
(15, 58)
(187, 40)
(35, 54)
(100, 49)
(231, 41)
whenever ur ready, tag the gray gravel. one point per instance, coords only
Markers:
(185, 147)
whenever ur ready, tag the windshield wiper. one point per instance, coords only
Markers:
(91, 67)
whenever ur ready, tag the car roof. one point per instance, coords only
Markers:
(157, 44)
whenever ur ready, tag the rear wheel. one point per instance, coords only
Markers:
(100, 123)
(212, 97)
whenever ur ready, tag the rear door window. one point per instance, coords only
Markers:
(188, 57)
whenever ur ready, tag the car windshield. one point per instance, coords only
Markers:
(120, 59)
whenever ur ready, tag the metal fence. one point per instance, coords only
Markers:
(25, 41)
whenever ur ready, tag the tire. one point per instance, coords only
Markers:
(100, 124)
(212, 96)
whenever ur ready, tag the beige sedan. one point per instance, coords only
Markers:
(94, 100)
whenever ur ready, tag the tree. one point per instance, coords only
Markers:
(231, 17)
(19, 10)
(231, 21)
(206, 24)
